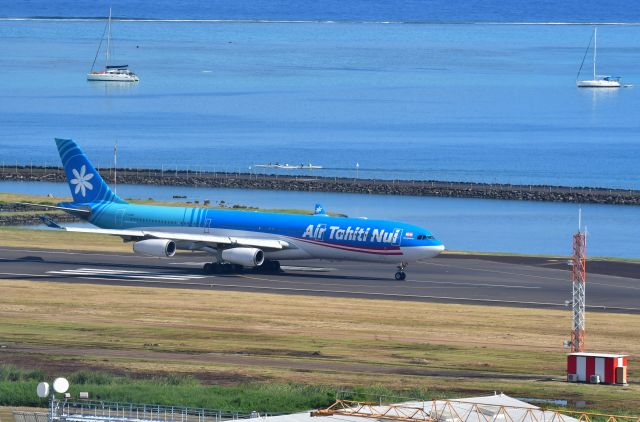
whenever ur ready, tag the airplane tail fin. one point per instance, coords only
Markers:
(85, 182)
(319, 210)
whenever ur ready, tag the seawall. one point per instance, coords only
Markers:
(584, 195)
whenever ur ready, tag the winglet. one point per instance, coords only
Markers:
(319, 210)
(50, 223)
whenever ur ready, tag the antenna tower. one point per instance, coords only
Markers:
(578, 278)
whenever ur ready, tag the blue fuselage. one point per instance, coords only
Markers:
(313, 236)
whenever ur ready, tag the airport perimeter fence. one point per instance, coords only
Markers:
(100, 411)
(30, 417)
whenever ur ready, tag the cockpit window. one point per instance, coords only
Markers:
(424, 236)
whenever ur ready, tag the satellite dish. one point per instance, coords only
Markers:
(43, 390)
(60, 385)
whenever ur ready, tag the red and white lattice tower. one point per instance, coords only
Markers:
(579, 278)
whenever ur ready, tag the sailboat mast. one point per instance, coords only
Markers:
(595, 49)
(108, 39)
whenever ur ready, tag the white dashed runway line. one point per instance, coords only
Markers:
(124, 274)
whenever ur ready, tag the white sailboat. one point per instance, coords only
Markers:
(598, 81)
(111, 73)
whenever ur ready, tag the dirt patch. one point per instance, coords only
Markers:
(65, 366)
(30, 352)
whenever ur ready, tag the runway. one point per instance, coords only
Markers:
(481, 279)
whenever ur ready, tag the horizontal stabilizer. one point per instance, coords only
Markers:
(77, 211)
(49, 222)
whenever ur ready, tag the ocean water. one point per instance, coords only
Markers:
(465, 90)
(329, 83)
(462, 224)
(431, 11)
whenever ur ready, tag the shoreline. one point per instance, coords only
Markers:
(433, 188)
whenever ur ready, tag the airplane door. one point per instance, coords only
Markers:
(397, 237)
(207, 225)
(119, 218)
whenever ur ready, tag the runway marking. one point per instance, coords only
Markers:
(454, 283)
(614, 286)
(191, 263)
(323, 291)
(102, 272)
(495, 271)
(311, 269)
(76, 253)
(409, 296)
(284, 267)
(608, 276)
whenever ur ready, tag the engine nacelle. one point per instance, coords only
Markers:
(161, 248)
(247, 257)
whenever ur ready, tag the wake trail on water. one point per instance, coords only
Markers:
(311, 21)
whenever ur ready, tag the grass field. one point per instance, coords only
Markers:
(244, 350)
(45, 200)
(226, 338)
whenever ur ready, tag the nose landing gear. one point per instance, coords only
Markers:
(401, 275)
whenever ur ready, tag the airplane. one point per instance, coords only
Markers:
(237, 239)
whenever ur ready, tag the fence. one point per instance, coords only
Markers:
(100, 411)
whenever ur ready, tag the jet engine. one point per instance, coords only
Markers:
(247, 257)
(161, 248)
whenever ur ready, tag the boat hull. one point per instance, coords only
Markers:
(598, 83)
(106, 77)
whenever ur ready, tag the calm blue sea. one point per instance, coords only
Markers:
(462, 224)
(454, 92)
(430, 11)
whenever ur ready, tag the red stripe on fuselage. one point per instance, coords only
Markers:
(395, 250)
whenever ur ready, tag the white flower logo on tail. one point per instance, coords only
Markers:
(82, 180)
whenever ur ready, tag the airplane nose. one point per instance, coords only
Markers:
(434, 250)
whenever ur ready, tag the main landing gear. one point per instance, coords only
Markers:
(267, 267)
(224, 268)
(401, 275)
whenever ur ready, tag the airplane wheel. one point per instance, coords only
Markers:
(226, 268)
(400, 275)
(269, 267)
(207, 268)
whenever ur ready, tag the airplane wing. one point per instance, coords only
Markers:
(205, 239)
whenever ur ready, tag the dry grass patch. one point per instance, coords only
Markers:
(227, 337)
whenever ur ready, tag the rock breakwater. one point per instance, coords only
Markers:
(583, 195)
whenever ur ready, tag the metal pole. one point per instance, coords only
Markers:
(115, 153)
(595, 50)
(579, 278)
(108, 41)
